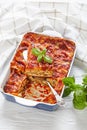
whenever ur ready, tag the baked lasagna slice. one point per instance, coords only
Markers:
(38, 90)
(16, 83)
(35, 67)
(18, 62)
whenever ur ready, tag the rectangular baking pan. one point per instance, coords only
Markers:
(27, 102)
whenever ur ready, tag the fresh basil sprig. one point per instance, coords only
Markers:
(79, 91)
(41, 55)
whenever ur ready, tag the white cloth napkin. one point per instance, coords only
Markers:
(57, 19)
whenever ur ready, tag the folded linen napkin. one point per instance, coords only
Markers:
(57, 19)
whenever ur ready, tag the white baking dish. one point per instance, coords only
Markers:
(27, 102)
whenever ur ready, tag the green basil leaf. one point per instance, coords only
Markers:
(78, 87)
(39, 58)
(79, 100)
(85, 90)
(85, 81)
(69, 81)
(48, 59)
(36, 51)
(67, 92)
(79, 90)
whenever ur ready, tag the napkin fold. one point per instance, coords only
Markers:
(60, 19)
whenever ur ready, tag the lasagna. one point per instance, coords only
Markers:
(15, 83)
(28, 76)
